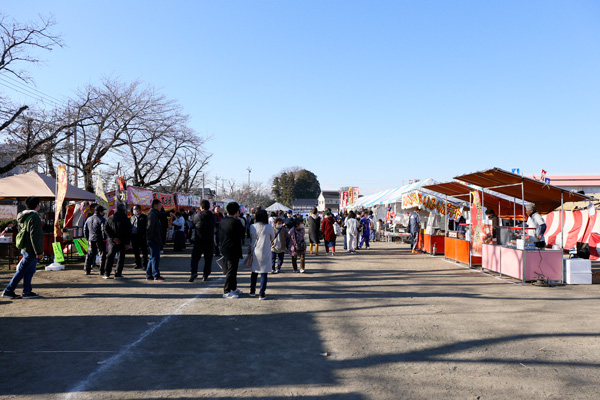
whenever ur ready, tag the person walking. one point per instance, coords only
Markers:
(314, 231)
(261, 235)
(204, 241)
(32, 249)
(365, 222)
(351, 232)
(93, 230)
(139, 222)
(218, 219)
(328, 233)
(231, 234)
(154, 239)
(297, 246)
(118, 233)
(414, 225)
(279, 245)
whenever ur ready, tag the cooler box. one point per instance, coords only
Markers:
(578, 271)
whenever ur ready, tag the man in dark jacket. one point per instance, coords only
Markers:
(139, 221)
(231, 235)
(218, 219)
(155, 241)
(93, 230)
(32, 250)
(118, 232)
(204, 234)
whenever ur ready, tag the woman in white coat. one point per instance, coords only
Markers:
(262, 236)
(351, 232)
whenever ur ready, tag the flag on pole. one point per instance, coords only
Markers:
(100, 195)
(61, 192)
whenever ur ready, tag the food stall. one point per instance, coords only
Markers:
(458, 243)
(514, 254)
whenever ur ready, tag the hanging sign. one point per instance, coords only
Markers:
(432, 204)
(78, 247)
(166, 199)
(139, 196)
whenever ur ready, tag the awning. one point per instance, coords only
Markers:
(34, 184)
(546, 197)
(503, 207)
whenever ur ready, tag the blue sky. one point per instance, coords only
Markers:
(362, 93)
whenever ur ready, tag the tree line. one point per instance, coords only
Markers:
(129, 125)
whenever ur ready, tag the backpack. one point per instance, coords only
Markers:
(20, 241)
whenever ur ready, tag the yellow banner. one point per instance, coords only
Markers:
(61, 192)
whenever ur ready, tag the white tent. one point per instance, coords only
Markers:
(278, 207)
(38, 185)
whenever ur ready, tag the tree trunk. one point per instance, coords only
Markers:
(50, 166)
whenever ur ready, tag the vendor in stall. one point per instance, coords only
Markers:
(495, 221)
(536, 221)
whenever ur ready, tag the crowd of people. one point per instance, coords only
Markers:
(211, 233)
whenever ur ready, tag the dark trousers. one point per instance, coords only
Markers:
(199, 250)
(274, 257)
(231, 270)
(139, 245)
(217, 252)
(95, 248)
(263, 282)
(113, 249)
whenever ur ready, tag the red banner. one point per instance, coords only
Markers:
(166, 199)
(476, 224)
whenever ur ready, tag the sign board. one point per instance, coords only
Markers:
(476, 224)
(431, 203)
(139, 196)
(8, 212)
(78, 247)
(58, 253)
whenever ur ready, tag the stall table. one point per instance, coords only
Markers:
(458, 250)
(524, 265)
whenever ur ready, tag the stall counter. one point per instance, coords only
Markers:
(523, 264)
(458, 250)
(430, 240)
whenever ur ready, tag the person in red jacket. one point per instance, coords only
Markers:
(328, 233)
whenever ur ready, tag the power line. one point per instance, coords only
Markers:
(31, 94)
(23, 84)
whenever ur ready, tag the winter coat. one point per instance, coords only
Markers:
(279, 245)
(93, 230)
(352, 226)
(261, 245)
(314, 228)
(414, 223)
(204, 228)
(296, 238)
(154, 228)
(327, 228)
(118, 227)
(139, 223)
(231, 234)
(34, 240)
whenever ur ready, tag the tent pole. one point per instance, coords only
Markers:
(523, 208)
(561, 221)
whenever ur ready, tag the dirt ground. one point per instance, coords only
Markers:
(384, 324)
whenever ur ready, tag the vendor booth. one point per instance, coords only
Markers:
(458, 239)
(512, 252)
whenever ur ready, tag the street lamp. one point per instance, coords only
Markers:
(249, 171)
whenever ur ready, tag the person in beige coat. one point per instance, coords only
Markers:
(262, 235)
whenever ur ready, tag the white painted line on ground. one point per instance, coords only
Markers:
(82, 386)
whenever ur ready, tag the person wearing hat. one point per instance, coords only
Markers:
(93, 230)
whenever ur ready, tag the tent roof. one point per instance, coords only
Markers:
(546, 197)
(38, 185)
(504, 207)
(277, 207)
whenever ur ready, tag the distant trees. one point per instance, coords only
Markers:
(129, 129)
(295, 183)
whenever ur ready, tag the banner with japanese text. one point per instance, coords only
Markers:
(61, 192)
(139, 196)
(354, 194)
(166, 199)
(183, 200)
(432, 204)
(343, 200)
(476, 224)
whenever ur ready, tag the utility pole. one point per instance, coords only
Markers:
(249, 171)
(75, 158)
(216, 186)
(203, 183)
